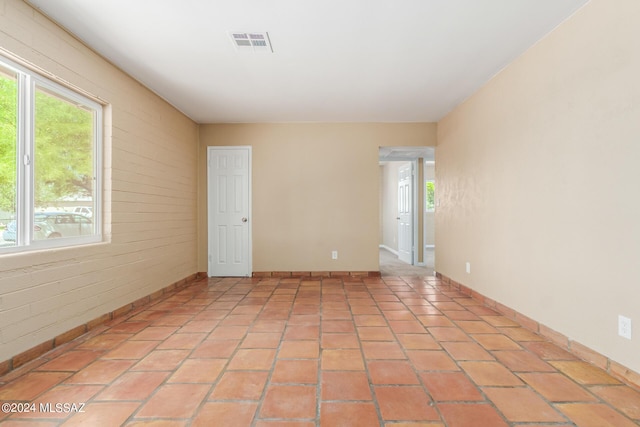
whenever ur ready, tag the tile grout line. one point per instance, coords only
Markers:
(432, 402)
(223, 370)
(241, 290)
(486, 400)
(170, 373)
(374, 397)
(480, 388)
(426, 329)
(552, 404)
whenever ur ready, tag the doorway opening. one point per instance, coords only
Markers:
(407, 210)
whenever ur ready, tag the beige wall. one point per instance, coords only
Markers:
(150, 195)
(537, 175)
(315, 189)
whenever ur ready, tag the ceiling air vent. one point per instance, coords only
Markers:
(255, 42)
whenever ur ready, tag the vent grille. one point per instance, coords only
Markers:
(254, 42)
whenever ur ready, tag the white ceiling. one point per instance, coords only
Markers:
(332, 60)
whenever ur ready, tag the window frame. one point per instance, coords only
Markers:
(28, 81)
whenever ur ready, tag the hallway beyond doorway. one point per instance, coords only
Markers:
(390, 265)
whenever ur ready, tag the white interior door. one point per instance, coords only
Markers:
(405, 213)
(228, 207)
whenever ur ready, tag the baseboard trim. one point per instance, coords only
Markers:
(315, 274)
(387, 248)
(579, 350)
(65, 337)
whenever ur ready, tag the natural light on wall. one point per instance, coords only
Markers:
(50, 163)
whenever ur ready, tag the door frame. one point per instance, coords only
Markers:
(416, 211)
(411, 154)
(210, 150)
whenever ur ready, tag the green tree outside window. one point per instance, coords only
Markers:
(431, 196)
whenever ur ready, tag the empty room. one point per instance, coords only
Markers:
(338, 213)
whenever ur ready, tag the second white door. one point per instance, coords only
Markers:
(405, 213)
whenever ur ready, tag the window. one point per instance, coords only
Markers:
(430, 196)
(50, 145)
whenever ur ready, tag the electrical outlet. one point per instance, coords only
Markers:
(334, 254)
(624, 327)
(468, 267)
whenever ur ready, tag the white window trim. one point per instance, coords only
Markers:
(27, 79)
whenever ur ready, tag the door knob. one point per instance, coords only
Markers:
(244, 219)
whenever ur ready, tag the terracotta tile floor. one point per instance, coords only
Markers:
(389, 351)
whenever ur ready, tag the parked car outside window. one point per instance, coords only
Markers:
(50, 225)
(83, 210)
